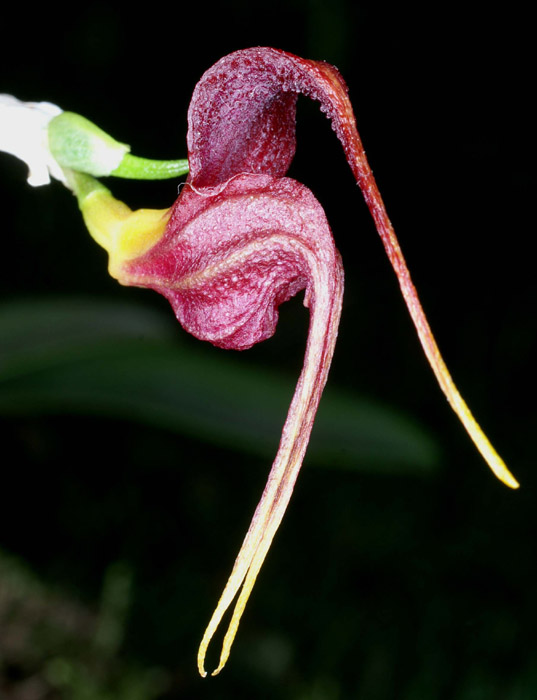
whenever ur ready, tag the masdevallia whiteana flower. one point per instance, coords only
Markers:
(241, 239)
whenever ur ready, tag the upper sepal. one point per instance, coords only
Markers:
(242, 113)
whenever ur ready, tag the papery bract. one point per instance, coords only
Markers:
(23, 133)
(242, 238)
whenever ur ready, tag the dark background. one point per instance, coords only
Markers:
(382, 583)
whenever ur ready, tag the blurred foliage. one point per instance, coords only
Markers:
(81, 356)
(52, 646)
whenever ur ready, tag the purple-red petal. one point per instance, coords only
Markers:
(232, 254)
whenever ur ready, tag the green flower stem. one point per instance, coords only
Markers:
(135, 168)
(83, 186)
(102, 213)
(123, 233)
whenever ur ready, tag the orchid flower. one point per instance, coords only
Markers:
(241, 239)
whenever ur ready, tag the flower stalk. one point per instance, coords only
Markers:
(124, 234)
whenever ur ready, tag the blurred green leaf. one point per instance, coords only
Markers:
(122, 360)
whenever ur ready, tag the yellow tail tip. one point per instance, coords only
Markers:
(504, 475)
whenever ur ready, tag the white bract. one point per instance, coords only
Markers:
(24, 134)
